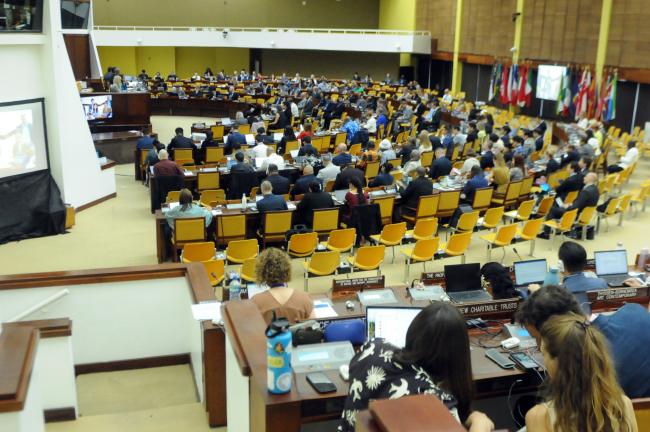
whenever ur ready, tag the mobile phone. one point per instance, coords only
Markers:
(503, 361)
(524, 361)
(320, 382)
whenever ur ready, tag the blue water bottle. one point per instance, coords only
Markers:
(278, 356)
(552, 277)
(234, 287)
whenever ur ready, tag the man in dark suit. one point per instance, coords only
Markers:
(572, 183)
(280, 184)
(307, 149)
(302, 184)
(241, 166)
(346, 175)
(571, 155)
(418, 187)
(441, 166)
(588, 197)
(539, 139)
(235, 140)
(477, 181)
(343, 158)
(315, 199)
(179, 141)
(263, 137)
(270, 202)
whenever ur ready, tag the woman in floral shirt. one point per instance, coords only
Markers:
(435, 360)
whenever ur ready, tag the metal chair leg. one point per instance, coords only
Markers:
(532, 247)
(489, 252)
(407, 270)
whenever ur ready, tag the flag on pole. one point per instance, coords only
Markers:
(504, 92)
(513, 84)
(559, 107)
(592, 96)
(602, 97)
(528, 90)
(495, 77)
(575, 88)
(583, 94)
(611, 106)
(523, 81)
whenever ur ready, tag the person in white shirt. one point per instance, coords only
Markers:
(630, 157)
(196, 77)
(593, 142)
(259, 151)
(386, 151)
(469, 162)
(295, 112)
(329, 171)
(272, 158)
(412, 164)
(447, 97)
(371, 122)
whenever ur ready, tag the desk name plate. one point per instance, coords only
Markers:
(617, 293)
(347, 287)
(480, 309)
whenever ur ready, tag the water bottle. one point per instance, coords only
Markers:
(278, 356)
(234, 287)
(643, 259)
(243, 203)
(552, 277)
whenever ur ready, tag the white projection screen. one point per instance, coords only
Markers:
(549, 81)
(23, 142)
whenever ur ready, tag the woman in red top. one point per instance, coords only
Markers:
(355, 196)
(307, 132)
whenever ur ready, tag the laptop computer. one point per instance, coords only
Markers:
(463, 283)
(390, 323)
(612, 266)
(226, 121)
(250, 139)
(530, 272)
(339, 195)
(277, 137)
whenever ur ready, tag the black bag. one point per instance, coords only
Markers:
(462, 209)
(297, 229)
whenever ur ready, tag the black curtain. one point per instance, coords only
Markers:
(31, 207)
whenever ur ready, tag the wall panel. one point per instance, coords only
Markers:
(629, 34)
(488, 27)
(155, 59)
(438, 17)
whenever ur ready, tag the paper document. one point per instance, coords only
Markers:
(324, 309)
(216, 212)
(291, 206)
(188, 173)
(207, 311)
(559, 201)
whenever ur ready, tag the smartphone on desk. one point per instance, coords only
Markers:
(320, 382)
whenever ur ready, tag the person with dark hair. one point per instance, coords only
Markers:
(538, 135)
(280, 183)
(584, 163)
(500, 280)
(344, 178)
(179, 141)
(354, 197)
(262, 136)
(441, 166)
(315, 199)
(631, 156)
(241, 165)
(518, 169)
(571, 155)
(307, 149)
(288, 135)
(551, 164)
(574, 182)
(187, 209)
(627, 331)
(234, 140)
(384, 178)
(487, 157)
(476, 181)
(529, 143)
(145, 142)
(434, 360)
(419, 186)
(574, 258)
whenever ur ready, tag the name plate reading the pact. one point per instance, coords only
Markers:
(476, 310)
(617, 293)
(349, 287)
(433, 278)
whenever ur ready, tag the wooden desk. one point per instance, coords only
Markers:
(117, 146)
(17, 354)
(173, 106)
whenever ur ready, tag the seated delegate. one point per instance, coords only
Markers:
(187, 209)
(315, 199)
(435, 360)
(273, 270)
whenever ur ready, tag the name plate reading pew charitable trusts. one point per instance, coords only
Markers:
(619, 295)
(491, 309)
(349, 287)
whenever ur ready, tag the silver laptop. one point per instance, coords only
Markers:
(390, 323)
(339, 195)
(612, 266)
(463, 283)
(250, 139)
(530, 272)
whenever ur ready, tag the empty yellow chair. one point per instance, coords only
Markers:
(213, 196)
(183, 154)
(511, 195)
(466, 223)
(639, 198)
(371, 169)
(321, 264)
(610, 210)
(545, 206)
(193, 252)
(247, 270)
(503, 237)
(522, 213)
(457, 245)
(482, 198)
(427, 206)
(424, 229)
(584, 220)
(239, 251)
(302, 245)
(217, 131)
(526, 186)
(386, 206)
(207, 180)
(230, 227)
(491, 218)
(564, 225)
(426, 158)
(623, 207)
(276, 224)
(368, 258)
(341, 240)
(325, 220)
(214, 155)
(173, 196)
(216, 271)
(187, 230)
(529, 232)
(447, 203)
(423, 251)
(391, 235)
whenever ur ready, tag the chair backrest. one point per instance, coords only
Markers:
(425, 249)
(570, 197)
(370, 256)
(448, 203)
(612, 206)
(329, 186)
(545, 206)
(493, 216)
(291, 145)
(340, 138)
(247, 271)
(525, 209)
(372, 169)
(189, 229)
(183, 154)
(482, 198)
(215, 269)
(642, 413)
(526, 185)
(625, 203)
(427, 206)
(277, 222)
(214, 154)
(213, 195)
(426, 158)
(458, 243)
(304, 243)
(586, 215)
(355, 149)
(173, 196)
(325, 220)
(342, 238)
(207, 180)
(201, 251)
(242, 249)
(386, 206)
(505, 234)
(467, 221)
(217, 131)
(244, 129)
(325, 262)
(567, 220)
(231, 227)
(425, 228)
(513, 191)
(532, 227)
(393, 233)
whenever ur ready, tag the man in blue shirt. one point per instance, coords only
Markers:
(351, 127)
(270, 202)
(343, 158)
(627, 332)
(477, 181)
(145, 142)
(574, 258)
(235, 140)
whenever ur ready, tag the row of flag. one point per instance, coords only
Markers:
(511, 85)
(578, 97)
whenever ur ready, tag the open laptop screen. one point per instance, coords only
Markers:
(532, 271)
(389, 323)
(611, 262)
(463, 277)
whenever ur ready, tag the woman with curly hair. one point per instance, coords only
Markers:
(273, 269)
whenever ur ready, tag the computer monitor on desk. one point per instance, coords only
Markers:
(530, 272)
(463, 283)
(612, 266)
(390, 323)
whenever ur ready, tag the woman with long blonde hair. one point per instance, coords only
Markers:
(582, 392)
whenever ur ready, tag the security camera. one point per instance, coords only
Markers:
(225, 33)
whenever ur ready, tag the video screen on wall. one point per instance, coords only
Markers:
(21, 15)
(23, 145)
(549, 80)
(97, 107)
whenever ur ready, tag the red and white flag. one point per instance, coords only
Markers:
(505, 89)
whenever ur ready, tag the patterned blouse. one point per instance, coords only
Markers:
(374, 374)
